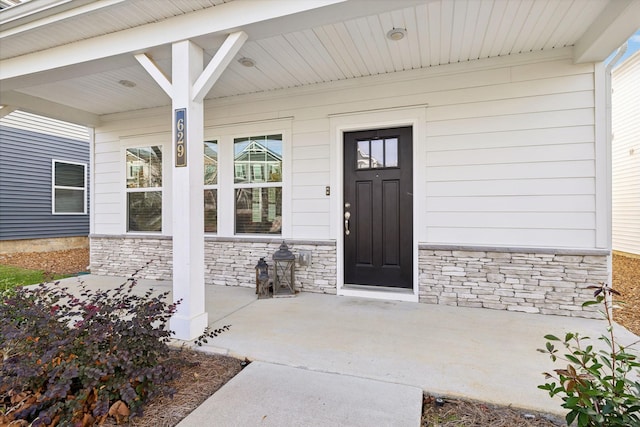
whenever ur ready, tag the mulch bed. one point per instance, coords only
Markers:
(626, 280)
(71, 261)
(203, 374)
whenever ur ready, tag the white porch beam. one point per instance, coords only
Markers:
(217, 19)
(155, 72)
(617, 22)
(218, 64)
(43, 107)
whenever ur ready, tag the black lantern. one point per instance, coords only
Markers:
(284, 262)
(262, 279)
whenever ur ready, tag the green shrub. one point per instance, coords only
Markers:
(73, 357)
(598, 387)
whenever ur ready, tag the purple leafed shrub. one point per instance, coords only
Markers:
(67, 357)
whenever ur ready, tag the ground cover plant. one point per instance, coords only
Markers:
(76, 358)
(597, 387)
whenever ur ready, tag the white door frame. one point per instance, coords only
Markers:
(414, 116)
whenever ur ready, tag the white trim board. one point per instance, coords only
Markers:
(414, 116)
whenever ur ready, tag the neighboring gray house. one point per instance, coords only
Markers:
(44, 192)
(625, 155)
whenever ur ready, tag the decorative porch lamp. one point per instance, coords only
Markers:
(284, 262)
(262, 279)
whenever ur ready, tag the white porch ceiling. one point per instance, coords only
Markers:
(293, 52)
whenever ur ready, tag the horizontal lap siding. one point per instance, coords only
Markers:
(25, 177)
(508, 157)
(517, 168)
(626, 156)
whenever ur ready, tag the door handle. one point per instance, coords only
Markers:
(347, 215)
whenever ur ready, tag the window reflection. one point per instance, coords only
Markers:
(257, 178)
(377, 153)
(210, 162)
(391, 153)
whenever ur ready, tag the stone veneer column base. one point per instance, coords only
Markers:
(228, 261)
(516, 279)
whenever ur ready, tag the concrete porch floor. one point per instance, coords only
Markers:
(480, 354)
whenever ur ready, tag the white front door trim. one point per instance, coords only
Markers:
(414, 116)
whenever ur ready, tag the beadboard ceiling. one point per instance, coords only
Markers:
(292, 51)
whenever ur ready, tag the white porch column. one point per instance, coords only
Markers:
(189, 85)
(191, 318)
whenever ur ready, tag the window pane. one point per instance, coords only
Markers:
(210, 163)
(259, 210)
(377, 153)
(258, 159)
(144, 167)
(363, 155)
(69, 201)
(145, 211)
(69, 175)
(391, 153)
(210, 211)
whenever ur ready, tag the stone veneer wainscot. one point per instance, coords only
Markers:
(546, 281)
(228, 261)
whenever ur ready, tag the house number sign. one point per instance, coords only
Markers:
(180, 125)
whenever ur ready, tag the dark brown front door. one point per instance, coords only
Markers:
(378, 208)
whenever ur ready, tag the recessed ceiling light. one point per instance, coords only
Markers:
(127, 83)
(396, 34)
(247, 62)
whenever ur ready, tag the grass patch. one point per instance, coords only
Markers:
(10, 277)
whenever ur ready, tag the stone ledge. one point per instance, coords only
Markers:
(234, 239)
(515, 250)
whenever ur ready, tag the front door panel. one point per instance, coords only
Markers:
(378, 208)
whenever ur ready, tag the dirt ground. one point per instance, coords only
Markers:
(203, 374)
(63, 262)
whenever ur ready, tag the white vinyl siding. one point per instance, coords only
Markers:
(508, 158)
(45, 125)
(626, 155)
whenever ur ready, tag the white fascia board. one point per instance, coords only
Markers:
(43, 107)
(219, 19)
(218, 64)
(617, 22)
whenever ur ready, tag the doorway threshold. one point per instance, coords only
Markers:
(378, 292)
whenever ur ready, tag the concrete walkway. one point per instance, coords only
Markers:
(481, 354)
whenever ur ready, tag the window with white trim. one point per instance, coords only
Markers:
(258, 184)
(211, 186)
(144, 188)
(69, 192)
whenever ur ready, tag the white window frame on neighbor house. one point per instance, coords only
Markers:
(55, 187)
(225, 136)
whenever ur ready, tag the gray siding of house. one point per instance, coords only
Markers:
(25, 184)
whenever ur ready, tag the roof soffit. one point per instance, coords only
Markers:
(341, 41)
